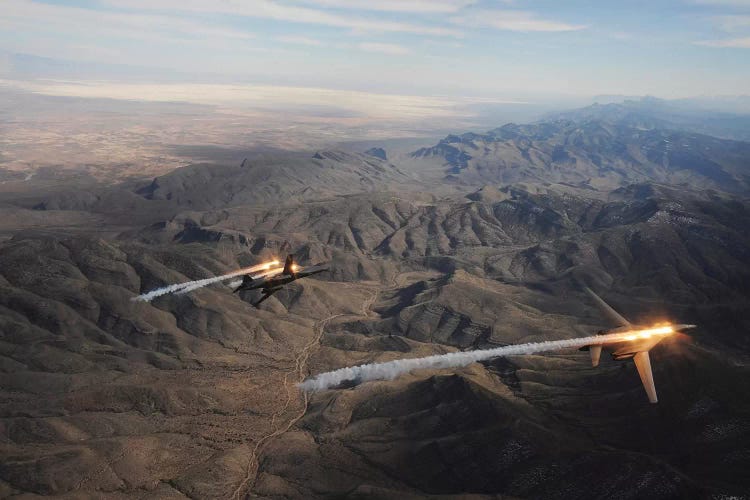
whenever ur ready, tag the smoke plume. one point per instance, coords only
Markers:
(208, 281)
(189, 286)
(392, 369)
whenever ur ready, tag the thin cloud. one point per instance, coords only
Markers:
(732, 43)
(384, 48)
(419, 6)
(513, 20)
(130, 25)
(266, 9)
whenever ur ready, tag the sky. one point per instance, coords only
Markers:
(508, 49)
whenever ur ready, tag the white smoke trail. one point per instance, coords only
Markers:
(208, 281)
(148, 297)
(194, 285)
(392, 369)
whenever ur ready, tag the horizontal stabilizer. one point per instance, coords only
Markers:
(596, 352)
(607, 310)
(643, 364)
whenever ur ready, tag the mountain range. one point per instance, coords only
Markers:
(725, 118)
(480, 240)
(592, 154)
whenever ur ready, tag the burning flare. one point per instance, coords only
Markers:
(648, 332)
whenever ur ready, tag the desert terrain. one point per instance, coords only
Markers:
(437, 242)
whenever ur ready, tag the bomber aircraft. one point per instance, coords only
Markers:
(638, 340)
(272, 284)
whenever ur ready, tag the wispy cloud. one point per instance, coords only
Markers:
(737, 28)
(513, 20)
(420, 6)
(734, 43)
(364, 44)
(384, 48)
(267, 9)
(130, 25)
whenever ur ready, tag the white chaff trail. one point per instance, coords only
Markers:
(194, 285)
(208, 281)
(391, 369)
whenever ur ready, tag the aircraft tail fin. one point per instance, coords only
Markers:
(643, 364)
(289, 265)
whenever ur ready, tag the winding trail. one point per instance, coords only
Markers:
(291, 380)
(278, 426)
(291, 391)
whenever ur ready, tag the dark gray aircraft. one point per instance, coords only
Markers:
(272, 284)
(638, 340)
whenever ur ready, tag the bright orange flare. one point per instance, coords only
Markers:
(258, 267)
(270, 271)
(649, 332)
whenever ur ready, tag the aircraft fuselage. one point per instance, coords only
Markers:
(276, 281)
(642, 340)
(272, 284)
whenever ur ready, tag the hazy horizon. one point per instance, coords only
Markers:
(122, 88)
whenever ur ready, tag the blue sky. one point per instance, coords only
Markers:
(502, 48)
